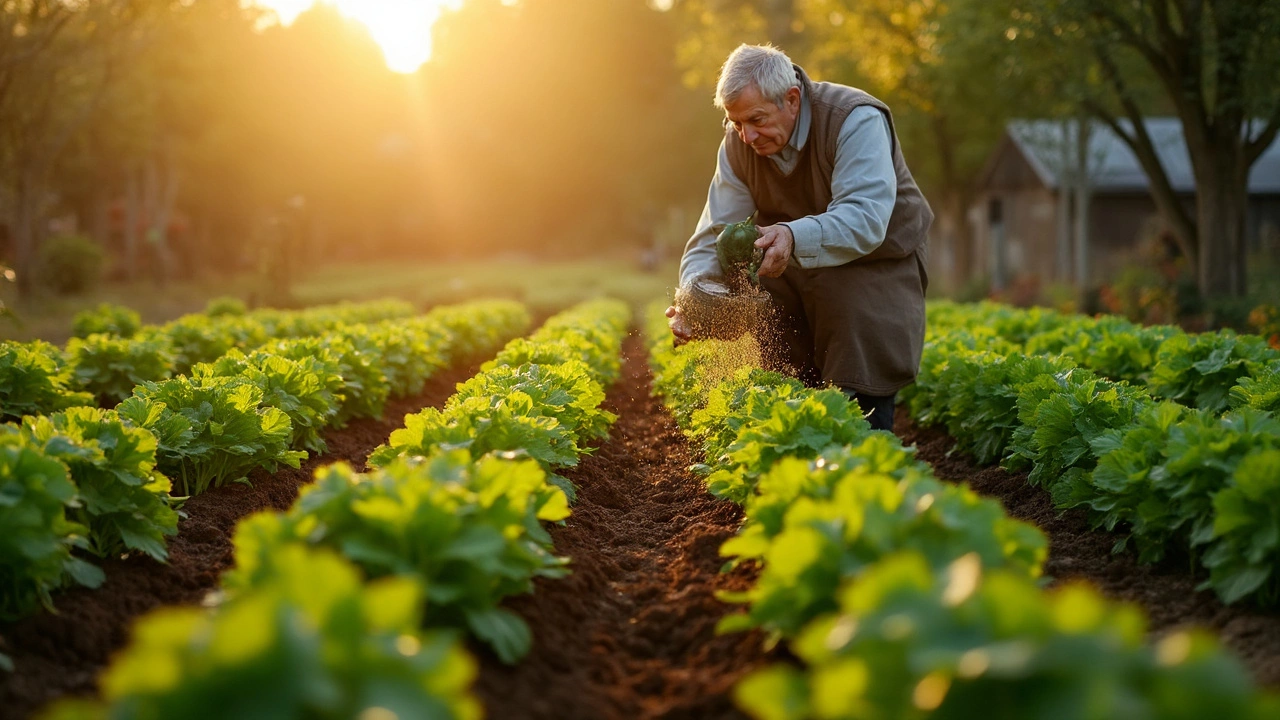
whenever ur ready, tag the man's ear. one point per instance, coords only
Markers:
(793, 97)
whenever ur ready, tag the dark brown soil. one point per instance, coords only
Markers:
(1166, 591)
(630, 634)
(61, 655)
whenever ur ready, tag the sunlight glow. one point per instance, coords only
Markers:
(402, 28)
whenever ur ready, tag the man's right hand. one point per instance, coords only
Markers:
(679, 328)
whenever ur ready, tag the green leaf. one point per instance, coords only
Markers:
(502, 630)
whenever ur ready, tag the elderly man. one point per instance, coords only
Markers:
(842, 224)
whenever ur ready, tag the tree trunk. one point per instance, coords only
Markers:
(26, 207)
(160, 195)
(132, 221)
(957, 196)
(961, 237)
(1221, 205)
(1084, 192)
(1063, 268)
(100, 214)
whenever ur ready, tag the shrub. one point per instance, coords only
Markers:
(69, 264)
(106, 318)
(225, 305)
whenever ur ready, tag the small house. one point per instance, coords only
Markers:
(1023, 223)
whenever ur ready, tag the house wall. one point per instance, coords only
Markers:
(1016, 247)
(1027, 219)
(1262, 228)
(1117, 226)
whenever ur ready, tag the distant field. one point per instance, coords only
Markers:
(540, 285)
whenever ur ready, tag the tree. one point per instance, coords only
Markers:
(1215, 63)
(55, 60)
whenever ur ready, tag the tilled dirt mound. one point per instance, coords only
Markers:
(631, 633)
(1165, 590)
(61, 655)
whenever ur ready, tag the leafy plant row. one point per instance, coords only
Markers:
(103, 368)
(324, 613)
(1165, 475)
(1210, 371)
(99, 481)
(902, 596)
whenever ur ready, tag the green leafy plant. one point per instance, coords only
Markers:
(298, 388)
(122, 499)
(1060, 416)
(482, 425)
(311, 641)
(211, 430)
(225, 305)
(470, 529)
(1200, 370)
(1260, 391)
(410, 354)
(35, 379)
(110, 367)
(115, 320)
(364, 388)
(193, 339)
(38, 539)
(566, 391)
(745, 399)
(822, 526)
(975, 395)
(1242, 557)
(801, 427)
(1111, 346)
(911, 640)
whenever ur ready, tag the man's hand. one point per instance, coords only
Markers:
(678, 326)
(776, 240)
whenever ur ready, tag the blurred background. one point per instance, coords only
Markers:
(1081, 153)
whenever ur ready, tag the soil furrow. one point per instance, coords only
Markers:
(61, 655)
(1165, 590)
(631, 633)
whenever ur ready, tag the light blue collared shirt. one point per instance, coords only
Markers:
(864, 187)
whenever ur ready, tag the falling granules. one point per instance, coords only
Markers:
(713, 312)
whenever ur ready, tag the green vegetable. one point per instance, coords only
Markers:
(211, 430)
(124, 500)
(312, 641)
(1200, 370)
(110, 367)
(35, 379)
(739, 257)
(471, 530)
(912, 641)
(298, 388)
(37, 540)
(115, 320)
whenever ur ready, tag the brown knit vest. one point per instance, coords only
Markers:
(807, 190)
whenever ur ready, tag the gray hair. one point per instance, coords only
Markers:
(764, 66)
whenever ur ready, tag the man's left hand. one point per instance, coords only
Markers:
(776, 240)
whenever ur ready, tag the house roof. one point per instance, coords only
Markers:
(1113, 166)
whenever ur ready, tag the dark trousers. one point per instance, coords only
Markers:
(812, 338)
(877, 409)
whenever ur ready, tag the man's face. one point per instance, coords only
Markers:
(761, 124)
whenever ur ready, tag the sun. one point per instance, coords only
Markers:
(402, 28)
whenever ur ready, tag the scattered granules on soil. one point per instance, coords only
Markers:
(631, 633)
(1165, 590)
(61, 655)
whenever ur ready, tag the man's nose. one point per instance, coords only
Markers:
(749, 135)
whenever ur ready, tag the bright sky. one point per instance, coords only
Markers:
(402, 28)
